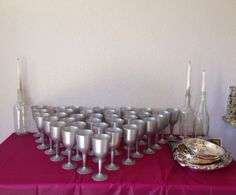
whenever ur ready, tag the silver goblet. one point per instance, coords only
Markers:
(78, 117)
(91, 121)
(100, 144)
(68, 120)
(65, 152)
(99, 109)
(166, 115)
(35, 109)
(79, 124)
(174, 116)
(144, 114)
(83, 140)
(36, 112)
(46, 124)
(116, 122)
(55, 131)
(109, 111)
(68, 139)
(69, 110)
(86, 111)
(130, 135)
(128, 118)
(115, 134)
(60, 108)
(96, 115)
(150, 130)
(99, 128)
(160, 122)
(141, 130)
(39, 123)
(61, 114)
(76, 157)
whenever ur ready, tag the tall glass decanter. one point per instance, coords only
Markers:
(187, 112)
(201, 117)
(19, 107)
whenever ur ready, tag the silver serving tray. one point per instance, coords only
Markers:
(226, 159)
(182, 155)
(203, 148)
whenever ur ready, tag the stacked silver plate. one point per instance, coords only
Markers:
(200, 154)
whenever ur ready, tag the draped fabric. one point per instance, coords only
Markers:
(27, 170)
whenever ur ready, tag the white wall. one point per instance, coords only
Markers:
(117, 53)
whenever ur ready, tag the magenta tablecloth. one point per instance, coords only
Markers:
(26, 170)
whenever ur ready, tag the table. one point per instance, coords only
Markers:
(26, 170)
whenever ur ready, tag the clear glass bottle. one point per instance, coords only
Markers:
(187, 112)
(19, 119)
(186, 117)
(201, 117)
(19, 107)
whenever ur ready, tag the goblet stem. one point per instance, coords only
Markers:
(69, 156)
(112, 156)
(84, 169)
(42, 137)
(156, 138)
(57, 157)
(162, 141)
(76, 157)
(149, 150)
(128, 152)
(112, 166)
(69, 165)
(84, 160)
(149, 140)
(42, 146)
(171, 136)
(99, 166)
(50, 150)
(57, 149)
(50, 143)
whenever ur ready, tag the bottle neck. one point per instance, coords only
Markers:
(203, 97)
(20, 96)
(187, 98)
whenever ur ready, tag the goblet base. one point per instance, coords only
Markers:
(112, 167)
(60, 145)
(171, 137)
(142, 143)
(137, 154)
(99, 177)
(95, 159)
(128, 162)
(39, 140)
(36, 134)
(50, 151)
(42, 146)
(65, 152)
(162, 141)
(68, 166)
(149, 151)
(76, 157)
(117, 152)
(84, 170)
(156, 147)
(56, 158)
